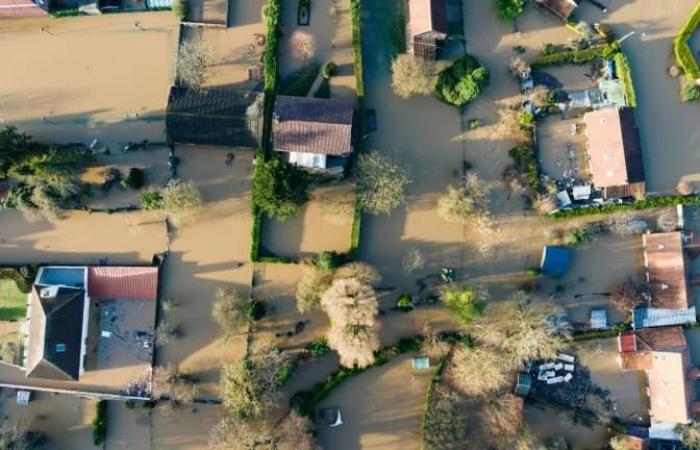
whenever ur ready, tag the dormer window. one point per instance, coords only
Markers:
(60, 348)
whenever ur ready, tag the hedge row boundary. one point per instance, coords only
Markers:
(682, 51)
(624, 74)
(604, 51)
(653, 202)
(434, 380)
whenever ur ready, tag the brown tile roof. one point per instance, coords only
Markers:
(312, 125)
(427, 15)
(123, 282)
(613, 146)
(561, 8)
(14, 9)
(667, 271)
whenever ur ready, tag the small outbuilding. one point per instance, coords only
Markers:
(599, 319)
(556, 261)
(427, 27)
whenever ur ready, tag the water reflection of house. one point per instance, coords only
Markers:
(667, 266)
(314, 133)
(663, 355)
(614, 153)
(427, 27)
(560, 8)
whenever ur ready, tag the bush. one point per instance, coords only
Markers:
(99, 423)
(412, 76)
(64, 12)
(509, 9)
(151, 200)
(135, 179)
(318, 347)
(280, 188)
(683, 52)
(532, 271)
(255, 310)
(464, 303)
(526, 162)
(404, 303)
(690, 92)
(327, 262)
(624, 73)
(462, 82)
(181, 8)
(329, 70)
(605, 51)
(577, 236)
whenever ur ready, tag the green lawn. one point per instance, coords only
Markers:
(13, 303)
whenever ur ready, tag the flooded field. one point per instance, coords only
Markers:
(82, 78)
(547, 424)
(381, 409)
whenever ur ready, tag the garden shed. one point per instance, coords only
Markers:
(556, 261)
(427, 27)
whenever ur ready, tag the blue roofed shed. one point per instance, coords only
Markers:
(556, 261)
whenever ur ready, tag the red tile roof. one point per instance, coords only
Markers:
(13, 9)
(627, 342)
(123, 282)
(427, 15)
(667, 270)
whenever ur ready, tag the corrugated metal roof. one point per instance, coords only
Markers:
(654, 317)
(123, 282)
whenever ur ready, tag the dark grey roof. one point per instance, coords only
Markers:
(312, 125)
(214, 116)
(630, 144)
(55, 352)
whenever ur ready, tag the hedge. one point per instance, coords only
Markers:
(99, 423)
(681, 49)
(576, 56)
(624, 74)
(526, 162)
(653, 202)
(434, 380)
(305, 402)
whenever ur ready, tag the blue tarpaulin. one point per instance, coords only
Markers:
(556, 261)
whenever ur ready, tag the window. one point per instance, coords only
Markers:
(60, 348)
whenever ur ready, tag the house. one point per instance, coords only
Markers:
(667, 266)
(214, 116)
(314, 133)
(426, 27)
(663, 355)
(615, 157)
(560, 8)
(89, 329)
(15, 9)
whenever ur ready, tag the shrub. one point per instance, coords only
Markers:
(181, 8)
(526, 162)
(412, 76)
(99, 423)
(532, 271)
(280, 188)
(404, 303)
(255, 310)
(329, 70)
(576, 56)
(509, 9)
(462, 82)
(381, 183)
(151, 200)
(527, 118)
(327, 262)
(690, 92)
(577, 236)
(134, 179)
(624, 73)
(318, 347)
(683, 52)
(463, 302)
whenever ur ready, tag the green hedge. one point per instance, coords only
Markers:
(356, 18)
(305, 402)
(64, 12)
(624, 73)
(99, 423)
(526, 162)
(576, 56)
(653, 202)
(434, 380)
(684, 54)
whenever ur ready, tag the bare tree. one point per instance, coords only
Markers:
(412, 261)
(234, 433)
(667, 221)
(311, 286)
(479, 371)
(690, 435)
(381, 183)
(519, 68)
(545, 204)
(503, 418)
(298, 432)
(17, 437)
(685, 187)
(169, 382)
(433, 345)
(628, 295)
(252, 385)
(352, 308)
(193, 59)
(619, 442)
(228, 311)
(362, 272)
(518, 330)
(166, 333)
(459, 204)
(412, 76)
